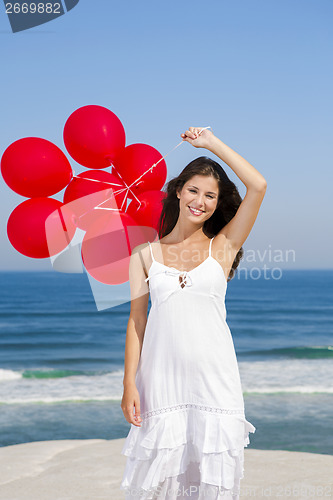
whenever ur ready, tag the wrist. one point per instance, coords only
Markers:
(212, 143)
(128, 382)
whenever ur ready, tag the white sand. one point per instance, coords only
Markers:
(92, 469)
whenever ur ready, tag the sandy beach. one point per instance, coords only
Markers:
(91, 469)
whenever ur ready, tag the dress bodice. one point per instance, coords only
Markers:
(206, 279)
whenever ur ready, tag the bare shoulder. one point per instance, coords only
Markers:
(141, 253)
(139, 288)
(140, 248)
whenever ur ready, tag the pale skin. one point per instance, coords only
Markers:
(186, 246)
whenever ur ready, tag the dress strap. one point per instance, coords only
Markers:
(151, 251)
(210, 246)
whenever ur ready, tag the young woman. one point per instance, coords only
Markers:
(189, 429)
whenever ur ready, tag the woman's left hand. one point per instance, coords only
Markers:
(197, 137)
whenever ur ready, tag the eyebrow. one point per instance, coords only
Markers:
(211, 192)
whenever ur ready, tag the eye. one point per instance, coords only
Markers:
(193, 191)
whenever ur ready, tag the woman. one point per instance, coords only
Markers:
(181, 375)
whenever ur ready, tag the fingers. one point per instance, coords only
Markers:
(189, 134)
(137, 417)
(130, 417)
(192, 133)
(134, 419)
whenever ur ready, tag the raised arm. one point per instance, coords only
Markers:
(239, 227)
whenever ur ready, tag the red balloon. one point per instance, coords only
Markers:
(40, 227)
(34, 167)
(91, 188)
(136, 159)
(93, 136)
(148, 213)
(107, 246)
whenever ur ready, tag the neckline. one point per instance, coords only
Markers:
(171, 267)
(187, 272)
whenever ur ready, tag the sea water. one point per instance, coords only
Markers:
(61, 359)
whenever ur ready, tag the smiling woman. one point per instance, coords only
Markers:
(189, 430)
(202, 191)
(196, 210)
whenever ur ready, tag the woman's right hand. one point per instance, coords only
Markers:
(131, 400)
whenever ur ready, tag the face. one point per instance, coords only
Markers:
(198, 198)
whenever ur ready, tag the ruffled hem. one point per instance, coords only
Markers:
(186, 448)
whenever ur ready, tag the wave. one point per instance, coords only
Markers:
(288, 390)
(44, 385)
(39, 399)
(45, 373)
(308, 352)
(48, 386)
(50, 400)
(9, 375)
(54, 373)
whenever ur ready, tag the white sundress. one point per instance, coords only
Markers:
(193, 433)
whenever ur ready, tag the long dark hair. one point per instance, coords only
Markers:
(228, 202)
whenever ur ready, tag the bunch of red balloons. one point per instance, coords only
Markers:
(95, 200)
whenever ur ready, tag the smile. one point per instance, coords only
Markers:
(194, 211)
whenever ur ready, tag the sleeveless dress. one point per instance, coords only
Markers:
(193, 430)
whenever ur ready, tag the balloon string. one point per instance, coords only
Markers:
(128, 187)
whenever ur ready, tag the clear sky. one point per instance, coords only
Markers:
(258, 72)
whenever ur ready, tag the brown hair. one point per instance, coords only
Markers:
(228, 202)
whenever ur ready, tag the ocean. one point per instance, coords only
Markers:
(62, 358)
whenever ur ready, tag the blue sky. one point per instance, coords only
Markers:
(258, 72)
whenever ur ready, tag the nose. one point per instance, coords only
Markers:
(199, 201)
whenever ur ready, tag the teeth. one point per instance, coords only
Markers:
(195, 210)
